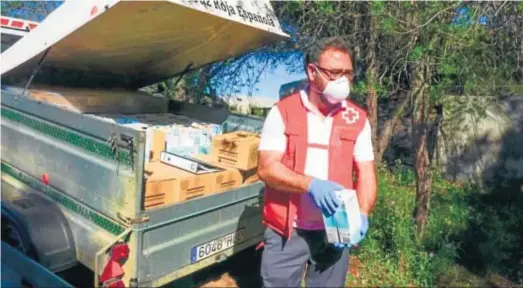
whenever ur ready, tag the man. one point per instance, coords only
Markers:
(311, 142)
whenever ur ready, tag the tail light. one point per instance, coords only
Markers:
(113, 272)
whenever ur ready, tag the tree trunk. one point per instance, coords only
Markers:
(372, 114)
(520, 62)
(420, 109)
(371, 74)
(380, 139)
(389, 128)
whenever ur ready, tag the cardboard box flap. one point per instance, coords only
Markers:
(158, 171)
(234, 137)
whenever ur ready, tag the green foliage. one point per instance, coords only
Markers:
(255, 110)
(325, 7)
(28, 10)
(417, 53)
(377, 8)
(233, 108)
(388, 24)
(437, 90)
(359, 88)
(391, 256)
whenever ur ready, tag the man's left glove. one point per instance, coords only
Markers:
(358, 238)
(363, 230)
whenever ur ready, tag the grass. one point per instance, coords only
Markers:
(473, 240)
(464, 229)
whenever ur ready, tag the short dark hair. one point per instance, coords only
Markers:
(314, 51)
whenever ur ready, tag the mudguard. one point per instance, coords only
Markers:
(43, 230)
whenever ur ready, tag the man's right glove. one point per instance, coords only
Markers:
(323, 194)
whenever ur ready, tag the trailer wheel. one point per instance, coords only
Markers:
(29, 222)
(16, 237)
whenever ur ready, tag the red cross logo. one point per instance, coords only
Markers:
(350, 115)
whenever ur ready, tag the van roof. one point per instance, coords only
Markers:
(131, 44)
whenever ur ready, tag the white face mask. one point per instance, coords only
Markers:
(337, 90)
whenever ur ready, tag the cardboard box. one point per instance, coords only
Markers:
(227, 180)
(236, 149)
(247, 176)
(165, 185)
(250, 176)
(156, 142)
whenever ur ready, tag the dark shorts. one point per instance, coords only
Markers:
(307, 253)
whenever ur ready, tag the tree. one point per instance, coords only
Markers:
(423, 49)
(217, 82)
(359, 24)
(29, 10)
(453, 46)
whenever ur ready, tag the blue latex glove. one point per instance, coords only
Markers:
(360, 237)
(341, 245)
(363, 230)
(323, 194)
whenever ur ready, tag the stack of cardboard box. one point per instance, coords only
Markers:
(176, 134)
(167, 185)
(227, 160)
(238, 150)
(234, 157)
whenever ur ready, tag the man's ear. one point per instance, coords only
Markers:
(311, 72)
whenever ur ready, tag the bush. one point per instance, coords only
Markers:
(391, 254)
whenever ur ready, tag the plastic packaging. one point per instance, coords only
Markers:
(192, 140)
(345, 224)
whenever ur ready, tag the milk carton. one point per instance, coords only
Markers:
(344, 225)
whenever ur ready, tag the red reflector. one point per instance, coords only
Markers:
(32, 26)
(45, 178)
(120, 252)
(112, 270)
(4, 21)
(94, 10)
(17, 24)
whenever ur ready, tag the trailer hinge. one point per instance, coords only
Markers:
(126, 142)
(130, 221)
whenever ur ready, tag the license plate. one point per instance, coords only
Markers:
(216, 246)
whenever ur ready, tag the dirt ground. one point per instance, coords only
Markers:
(241, 270)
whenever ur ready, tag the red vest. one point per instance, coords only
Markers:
(279, 207)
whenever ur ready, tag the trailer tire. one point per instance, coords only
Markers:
(15, 235)
(33, 220)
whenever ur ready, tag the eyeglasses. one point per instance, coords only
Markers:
(335, 73)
